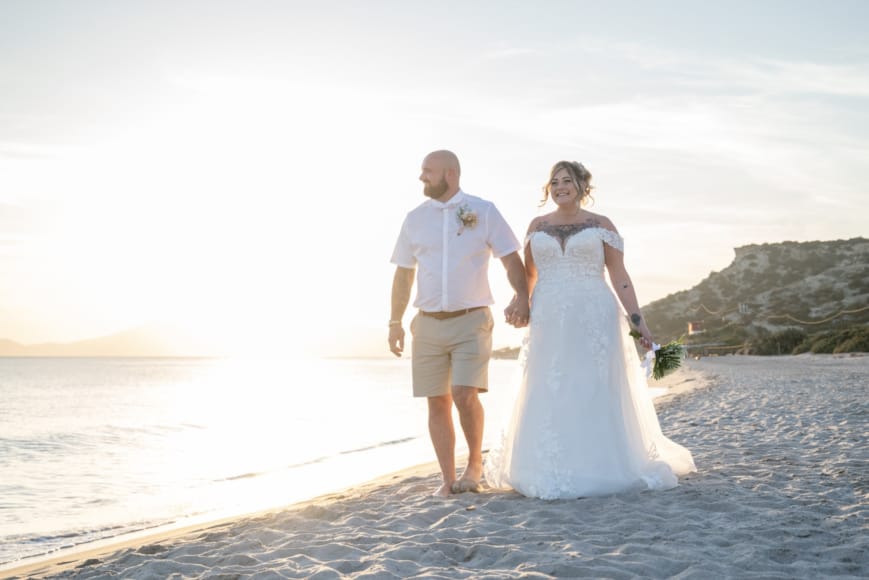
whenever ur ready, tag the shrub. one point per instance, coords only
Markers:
(824, 344)
(783, 342)
(852, 339)
(858, 341)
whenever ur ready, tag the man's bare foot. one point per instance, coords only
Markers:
(444, 490)
(463, 485)
(469, 481)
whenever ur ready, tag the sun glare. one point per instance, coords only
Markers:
(242, 218)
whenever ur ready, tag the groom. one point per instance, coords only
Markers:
(448, 240)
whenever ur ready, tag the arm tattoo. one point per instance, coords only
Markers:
(635, 319)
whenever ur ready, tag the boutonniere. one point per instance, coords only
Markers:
(467, 218)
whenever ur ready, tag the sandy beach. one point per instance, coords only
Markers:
(781, 492)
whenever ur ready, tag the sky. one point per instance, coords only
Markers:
(241, 169)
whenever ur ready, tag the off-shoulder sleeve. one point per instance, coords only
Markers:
(612, 239)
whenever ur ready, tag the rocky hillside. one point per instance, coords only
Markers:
(770, 288)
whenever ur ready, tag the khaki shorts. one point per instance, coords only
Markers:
(455, 351)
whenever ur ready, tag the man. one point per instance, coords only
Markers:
(449, 239)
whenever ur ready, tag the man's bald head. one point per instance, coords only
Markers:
(447, 159)
(440, 174)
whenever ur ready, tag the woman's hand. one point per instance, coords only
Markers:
(646, 335)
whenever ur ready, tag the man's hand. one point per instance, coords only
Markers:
(401, 284)
(396, 339)
(517, 312)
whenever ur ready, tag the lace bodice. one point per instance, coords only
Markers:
(578, 256)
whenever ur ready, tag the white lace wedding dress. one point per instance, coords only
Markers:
(583, 422)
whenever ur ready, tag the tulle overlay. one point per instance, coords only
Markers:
(584, 423)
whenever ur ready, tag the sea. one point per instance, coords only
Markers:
(95, 449)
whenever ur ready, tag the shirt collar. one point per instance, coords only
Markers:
(454, 201)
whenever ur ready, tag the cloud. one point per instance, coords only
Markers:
(26, 151)
(777, 77)
(699, 72)
(509, 53)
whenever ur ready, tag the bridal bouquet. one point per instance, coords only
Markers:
(662, 360)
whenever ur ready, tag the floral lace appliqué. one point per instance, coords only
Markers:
(611, 238)
(580, 428)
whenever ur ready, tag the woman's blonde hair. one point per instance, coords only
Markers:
(580, 176)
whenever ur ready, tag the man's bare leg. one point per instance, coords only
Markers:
(471, 417)
(443, 437)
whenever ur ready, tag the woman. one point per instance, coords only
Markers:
(584, 423)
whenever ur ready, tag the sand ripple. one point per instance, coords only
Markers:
(781, 492)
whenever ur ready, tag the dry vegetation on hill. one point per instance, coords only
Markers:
(776, 299)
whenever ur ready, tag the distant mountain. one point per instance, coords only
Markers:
(156, 341)
(769, 288)
(11, 348)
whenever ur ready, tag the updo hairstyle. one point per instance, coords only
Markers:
(580, 176)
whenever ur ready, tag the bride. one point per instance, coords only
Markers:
(583, 422)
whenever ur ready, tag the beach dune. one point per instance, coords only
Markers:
(781, 492)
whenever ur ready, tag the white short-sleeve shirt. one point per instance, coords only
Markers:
(452, 257)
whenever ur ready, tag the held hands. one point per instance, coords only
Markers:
(396, 339)
(517, 312)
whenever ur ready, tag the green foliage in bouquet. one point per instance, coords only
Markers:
(668, 357)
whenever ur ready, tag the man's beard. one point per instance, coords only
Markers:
(435, 190)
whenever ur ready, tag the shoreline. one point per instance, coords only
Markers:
(681, 382)
(77, 556)
(779, 493)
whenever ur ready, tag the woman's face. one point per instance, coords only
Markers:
(563, 190)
